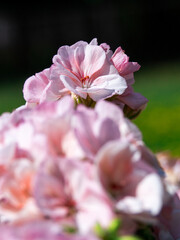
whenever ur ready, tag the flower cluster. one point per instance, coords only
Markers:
(88, 72)
(73, 166)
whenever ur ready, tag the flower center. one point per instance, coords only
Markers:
(85, 81)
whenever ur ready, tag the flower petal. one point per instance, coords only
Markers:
(94, 41)
(35, 85)
(97, 94)
(94, 59)
(134, 100)
(151, 193)
(54, 91)
(122, 64)
(73, 85)
(106, 86)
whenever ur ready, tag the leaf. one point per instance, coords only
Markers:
(114, 225)
(99, 231)
(129, 238)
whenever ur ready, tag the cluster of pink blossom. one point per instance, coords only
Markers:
(73, 166)
(89, 73)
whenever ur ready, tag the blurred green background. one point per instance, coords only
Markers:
(159, 122)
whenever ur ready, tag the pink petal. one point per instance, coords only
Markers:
(122, 64)
(106, 130)
(95, 209)
(115, 165)
(148, 198)
(129, 68)
(134, 100)
(33, 230)
(72, 85)
(106, 109)
(94, 59)
(112, 82)
(105, 46)
(82, 122)
(50, 196)
(106, 86)
(93, 42)
(129, 205)
(78, 44)
(65, 57)
(150, 192)
(54, 91)
(97, 94)
(35, 85)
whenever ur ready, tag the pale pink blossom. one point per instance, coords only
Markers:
(94, 128)
(85, 70)
(76, 166)
(89, 72)
(67, 188)
(135, 185)
(27, 138)
(49, 124)
(17, 169)
(15, 186)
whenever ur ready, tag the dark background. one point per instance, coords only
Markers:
(30, 34)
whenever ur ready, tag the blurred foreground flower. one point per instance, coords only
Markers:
(77, 167)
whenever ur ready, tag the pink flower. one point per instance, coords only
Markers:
(76, 167)
(49, 124)
(129, 179)
(27, 137)
(68, 189)
(89, 72)
(85, 70)
(16, 174)
(94, 128)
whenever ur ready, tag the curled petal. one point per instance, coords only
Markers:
(122, 64)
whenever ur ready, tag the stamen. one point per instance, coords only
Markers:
(84, 79)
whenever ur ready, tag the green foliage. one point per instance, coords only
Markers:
(112, 232)
(70, 229)
(11, 95)
(129, 238)
(115, 225)
(159, 122)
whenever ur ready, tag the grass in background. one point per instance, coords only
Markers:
(11, 95)
(159, 122)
